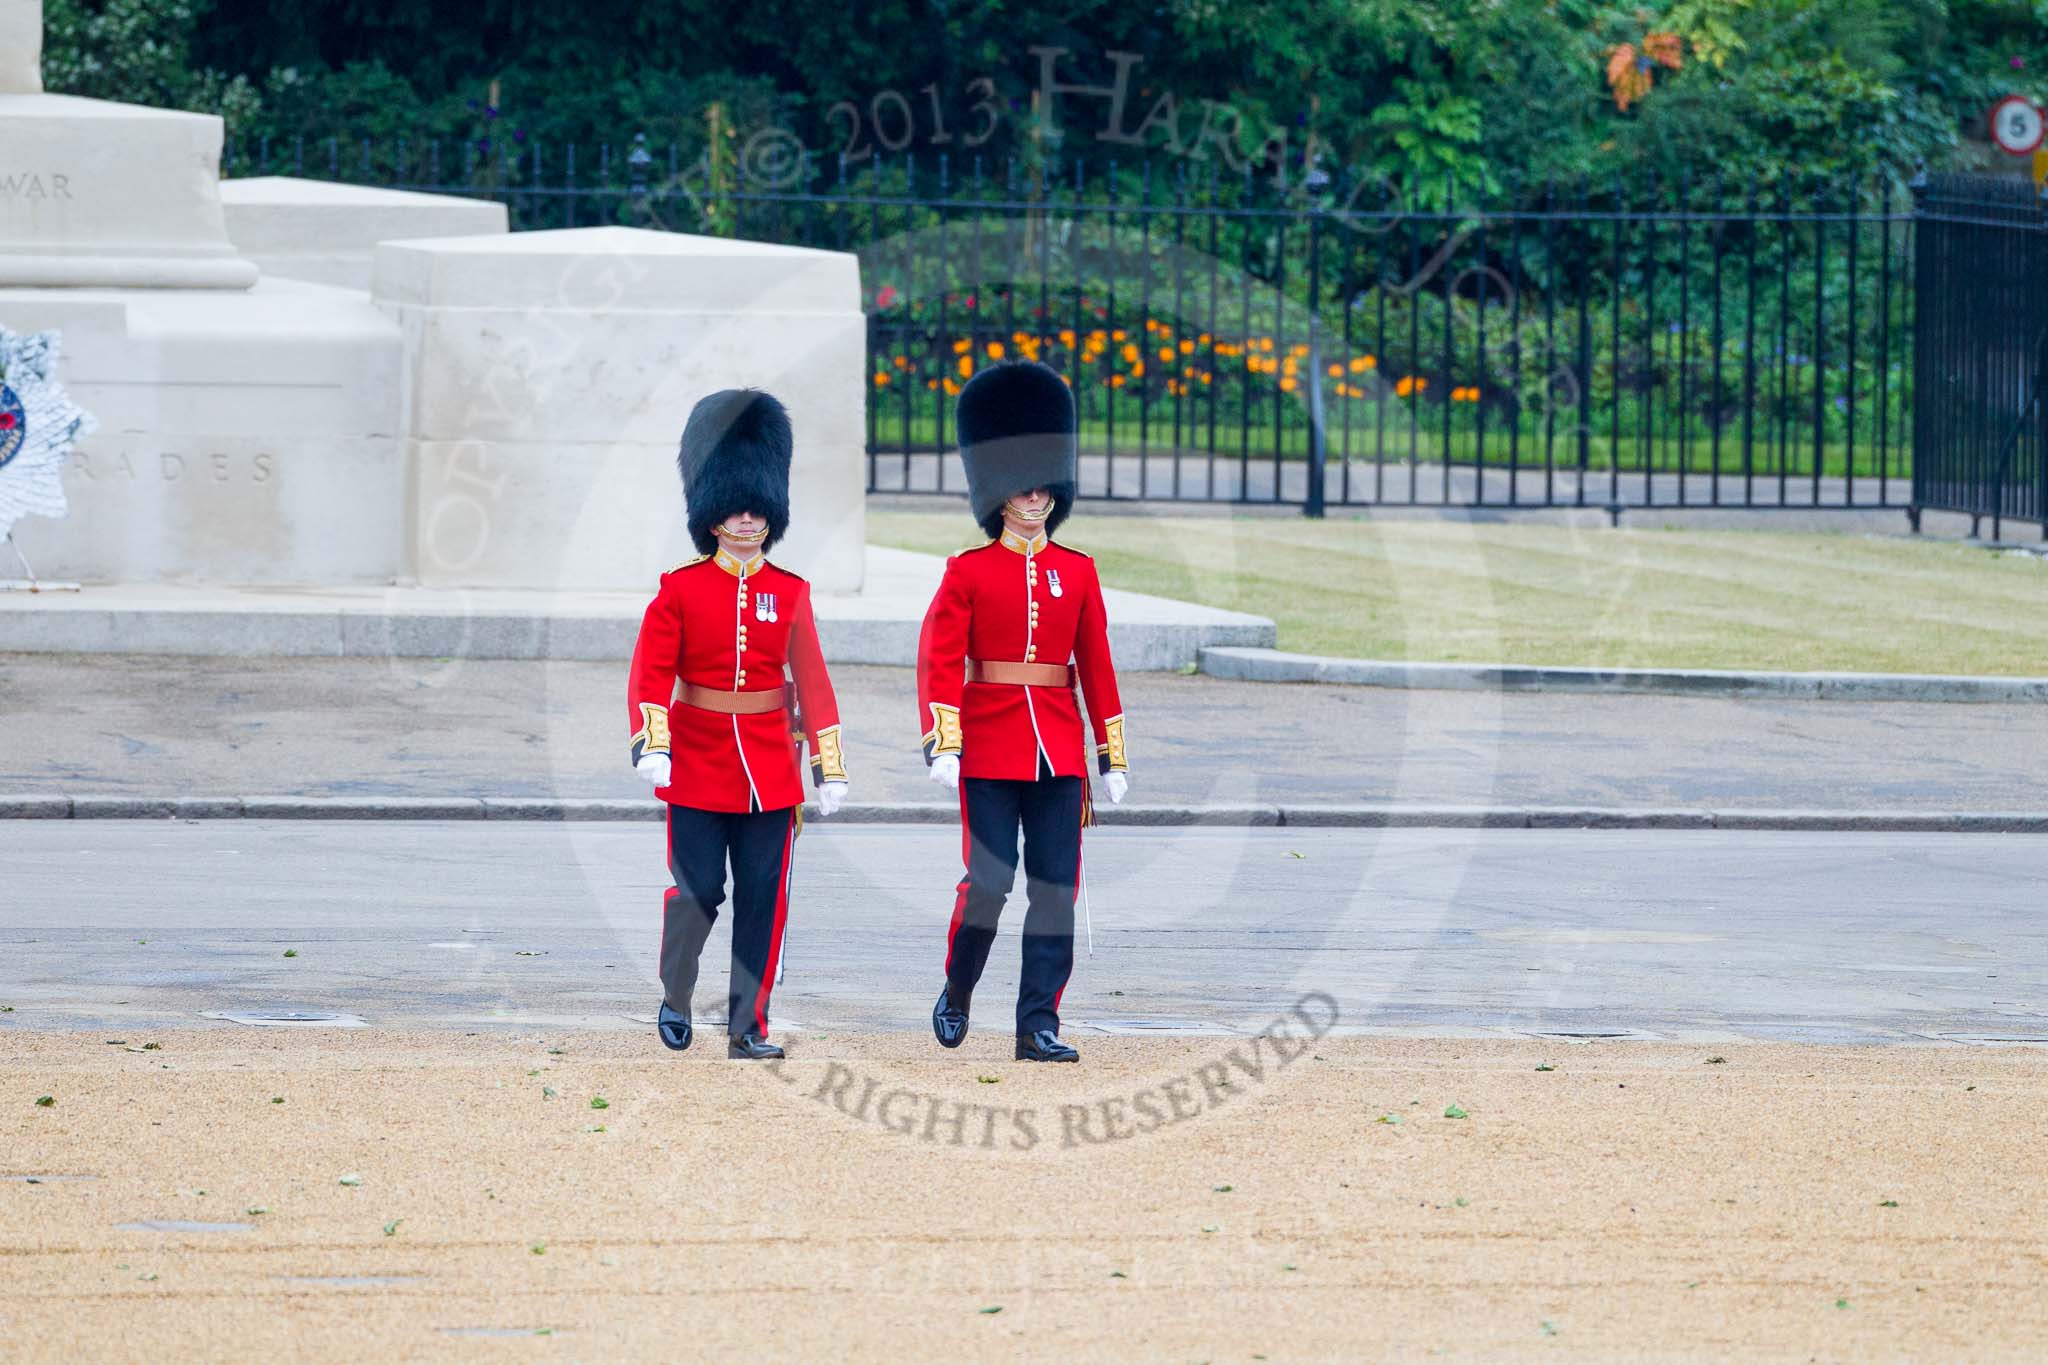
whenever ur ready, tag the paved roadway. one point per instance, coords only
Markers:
(127, 925)
(115, 725)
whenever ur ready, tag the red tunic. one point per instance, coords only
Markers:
(729, 626)
(1022, 602)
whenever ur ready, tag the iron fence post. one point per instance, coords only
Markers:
(1318, 450)
(637, 162)
(1318, 453)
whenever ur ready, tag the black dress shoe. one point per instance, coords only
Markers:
(673, 1026)
(949, 1021)
(1044, 1046)
(751, 1047)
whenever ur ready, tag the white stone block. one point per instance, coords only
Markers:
(549, 375)
(21, 47)
(95, 194)
(328, 232)
(245, 437)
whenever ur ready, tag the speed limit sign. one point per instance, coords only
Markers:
(2016, 125)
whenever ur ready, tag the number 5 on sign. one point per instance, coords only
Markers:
(2016, 125)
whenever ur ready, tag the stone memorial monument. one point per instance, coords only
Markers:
(494, 411)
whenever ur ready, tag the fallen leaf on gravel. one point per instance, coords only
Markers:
(547, 1092)
(540, 1248)
(277, 1099)
(599, 1102)
(1549, 1329)
(1118, 1275)
(152, 1047)
(554, 1052)
(525, 952)
(1388, 1118)
(1452, 1111)
(1716, 1061)
(291, 952)
(1462, 1202)
(45, 1101)
(996, 1309)
(1545, 1066)
(1220, 1189)
(1287, 1267)
(391, 1228)
(1841, 1303)
(351, 1180)
(117, 1042)
(1209, 1227)
(255, 1209)
(1887, 1203)
(989, 1080)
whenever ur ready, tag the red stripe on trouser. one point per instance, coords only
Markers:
(1077, 889)
(775, 934)
(960, 894)
(667, 847)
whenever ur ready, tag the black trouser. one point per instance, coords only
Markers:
(699, 841)
(992, 811)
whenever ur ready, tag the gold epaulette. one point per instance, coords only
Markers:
(688, 562)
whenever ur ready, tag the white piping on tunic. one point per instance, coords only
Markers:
(1030, 628)
(739, 618)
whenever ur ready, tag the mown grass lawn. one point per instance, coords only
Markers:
(1527, 594)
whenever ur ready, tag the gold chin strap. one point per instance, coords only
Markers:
(1010, 506)
(753, 538)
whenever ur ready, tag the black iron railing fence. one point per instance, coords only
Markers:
(1666, 342)
(1981, 420)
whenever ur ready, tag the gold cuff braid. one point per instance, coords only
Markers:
(827, 756)
(1113, 730)
(944, 736)
(653, 732)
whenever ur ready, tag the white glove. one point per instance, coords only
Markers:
(946, 771)
(1116, 784)
(831, 796)
(653, 767)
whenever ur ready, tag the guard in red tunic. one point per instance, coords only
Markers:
(716, 726)
(1016, 624)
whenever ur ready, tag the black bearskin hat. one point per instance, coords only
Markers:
(1017, 433)
(735, 458)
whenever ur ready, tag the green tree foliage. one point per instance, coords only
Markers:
(139, 51)
(1416, 93)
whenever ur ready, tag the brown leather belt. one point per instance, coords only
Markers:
(1023, 675)
(734, 703)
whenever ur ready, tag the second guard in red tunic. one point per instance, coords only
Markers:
(1016, 626)
(716, 726)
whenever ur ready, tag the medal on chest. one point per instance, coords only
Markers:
(764, 606)
(1052, 580)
